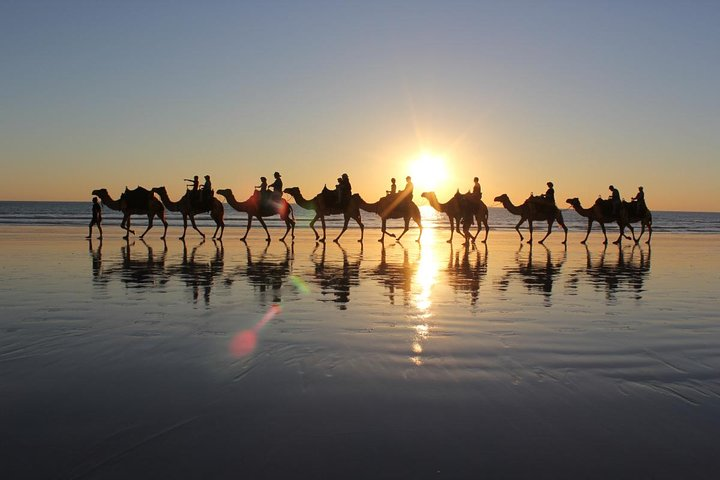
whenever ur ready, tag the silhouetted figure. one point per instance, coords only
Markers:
(615, 199)
(207, 190)
(393, 188)
(277, 186)
(344, 190)
(195, 183)
(408, 190)
(476, 190)
(640, 199)
(549, 195)
(263, 186)
(96, 219)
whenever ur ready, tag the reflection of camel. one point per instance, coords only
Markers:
(461, 207)
(325, 203)
(258, 207)
(266, 275)
(393, 206)
(189, 208)
(136, 273)
(463, 275)
(601, 212)
(149, 205)
(611, 276)
(534, 211)
(396, 276)
(535, 276)
(337, 279)
(200, 274)
(632, 212)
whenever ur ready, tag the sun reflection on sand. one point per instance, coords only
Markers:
(425, 278)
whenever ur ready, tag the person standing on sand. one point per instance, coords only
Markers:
(96, 219)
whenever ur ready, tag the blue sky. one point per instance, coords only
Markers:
(582, 93)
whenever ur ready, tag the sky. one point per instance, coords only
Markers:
(582, 93)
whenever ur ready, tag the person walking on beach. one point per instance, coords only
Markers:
(393, 188)
(96, 219)
(615, 199)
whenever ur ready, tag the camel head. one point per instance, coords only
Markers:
(159, 190)
(502, 198)
(428, 195)
(225, 192)
(575, 202)
(100, 192)
(292, 191)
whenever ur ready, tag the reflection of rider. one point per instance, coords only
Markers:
(393, 188)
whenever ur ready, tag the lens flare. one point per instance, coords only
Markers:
(244, 342)
(298, 283)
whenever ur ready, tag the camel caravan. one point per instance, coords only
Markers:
(462, 209)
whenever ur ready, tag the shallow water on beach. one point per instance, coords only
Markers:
(216, 359)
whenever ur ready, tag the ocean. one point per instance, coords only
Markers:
(78, 213)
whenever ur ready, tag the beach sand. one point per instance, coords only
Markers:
(234, 360)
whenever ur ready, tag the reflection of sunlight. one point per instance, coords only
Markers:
(425, 278)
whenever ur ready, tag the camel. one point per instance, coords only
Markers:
(325, 203)
(129, 205)
(393, 206)
(188, 208)
(532, 211)
(461, 207)
(631, 212)
(600, 212)
(255, 207)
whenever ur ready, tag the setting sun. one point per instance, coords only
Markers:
(428, 171)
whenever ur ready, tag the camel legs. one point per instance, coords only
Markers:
(549, 231)
(622, 233)
(194, 225)
(288, 225)
(346, 220)
(590, 222)
(262, 222)
(602, 225)
(322, 222)
(407, 227)
(362, 228)
(384, 231)
(517, 228)
(419, 224)
(248, 227)
(452, 227)
(151, 217)
(487, 229)
(312, 225)
(530, 227)
(219, 225)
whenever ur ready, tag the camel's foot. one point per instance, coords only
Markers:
(616, 242)
(646, 243)
(267, 239)
(564, 242)
(88, 237)
(381, 240)
(529, 242)
(583, 242)
(336, 240)
(605, 242)
(100, 238)
(243, 239)
(181, 238)
(320, 240)
(126, 237)
(360, 241)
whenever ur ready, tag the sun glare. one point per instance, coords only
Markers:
(428, 171)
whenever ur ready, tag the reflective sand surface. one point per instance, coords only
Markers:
(218, 360)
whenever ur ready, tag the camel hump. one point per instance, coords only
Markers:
(137, 198)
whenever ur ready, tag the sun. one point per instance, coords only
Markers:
(428, 171)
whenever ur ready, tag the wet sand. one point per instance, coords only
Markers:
(136, 360)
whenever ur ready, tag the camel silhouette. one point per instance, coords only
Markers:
(256, 207)
(531, 211)
(601, 212)
(393, 206)
(633, 212)
(134, 202)
(462, 208)
(324, 204)
(189, 208)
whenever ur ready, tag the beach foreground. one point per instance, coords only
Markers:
(225, 359)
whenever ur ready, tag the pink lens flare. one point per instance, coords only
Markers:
(244, 342)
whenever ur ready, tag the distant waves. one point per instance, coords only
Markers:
(78, 213)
